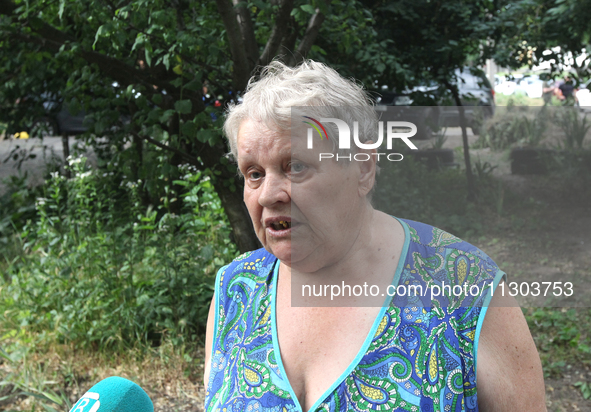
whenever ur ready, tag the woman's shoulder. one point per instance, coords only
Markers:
(252, 258)
(429, 244)
(256, 265)
(427, 236)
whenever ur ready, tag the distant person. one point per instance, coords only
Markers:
(567, 89)
(548, 90)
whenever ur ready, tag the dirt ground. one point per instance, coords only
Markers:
(551, 243)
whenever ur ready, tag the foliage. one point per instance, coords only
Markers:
(29, 379)
(154, 77)
(440, 138)
(513, 128)
(553, 31)
(585, 388)
(561, 336)
(37, 376)
(575, 129)
(519, 99)
(101, 271)
(573, 168)
(445, 36)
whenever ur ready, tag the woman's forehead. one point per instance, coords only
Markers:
(255, 136)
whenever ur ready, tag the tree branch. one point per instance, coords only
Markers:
(119, 71)
(247, 31)
(179, 15)
(279, 29)
(174, 150)
(310, 35)
(242, 68)
(289, 41)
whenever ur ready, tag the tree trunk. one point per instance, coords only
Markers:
(66, 150)
(242, 228)
(472, 193)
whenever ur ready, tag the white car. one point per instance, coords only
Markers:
(584, 97)
(532, 86)
(507, 88)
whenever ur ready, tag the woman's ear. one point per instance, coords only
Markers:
(367, 163)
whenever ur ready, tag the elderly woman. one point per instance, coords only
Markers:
(269, 347)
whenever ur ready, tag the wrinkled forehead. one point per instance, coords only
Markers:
(255, 136)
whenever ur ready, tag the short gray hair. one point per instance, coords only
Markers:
(270, 98)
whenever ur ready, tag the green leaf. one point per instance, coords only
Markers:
(189, 129)
(308, 8)
(157, 99)
(183, 106)
(148, 48)
(98, 34)
(166, 115)
(204, 135)
(177, 82)
(139, 40)
(61, 9)
(194, 84)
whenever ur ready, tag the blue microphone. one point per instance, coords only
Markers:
(114, 394)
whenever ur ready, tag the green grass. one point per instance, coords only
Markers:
(562, 337)
(518, 99)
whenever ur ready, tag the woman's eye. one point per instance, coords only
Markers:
(254, 175)
(297, 167)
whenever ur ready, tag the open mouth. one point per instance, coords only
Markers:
(281, 225)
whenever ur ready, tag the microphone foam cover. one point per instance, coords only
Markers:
(114, 394)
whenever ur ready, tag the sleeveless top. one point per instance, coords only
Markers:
(418, 356)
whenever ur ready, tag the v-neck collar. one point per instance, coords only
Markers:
(362, 351)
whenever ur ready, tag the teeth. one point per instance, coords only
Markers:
(282, 224)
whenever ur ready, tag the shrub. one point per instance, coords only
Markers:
(101, 271)
(513, 128)
(574, 127)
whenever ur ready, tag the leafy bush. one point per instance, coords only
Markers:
(17, 205)
(102, 271)
(514, 128)
(575, 129)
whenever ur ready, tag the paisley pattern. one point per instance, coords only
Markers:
(420, 358)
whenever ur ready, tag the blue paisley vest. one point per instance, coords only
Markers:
(418, 356)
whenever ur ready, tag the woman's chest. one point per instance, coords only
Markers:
(318, 345)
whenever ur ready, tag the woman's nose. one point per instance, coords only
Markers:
(275, 189)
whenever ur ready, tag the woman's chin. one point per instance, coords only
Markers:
(281, 251)
(303, 260)
(290, 255)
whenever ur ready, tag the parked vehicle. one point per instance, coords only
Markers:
(532, 86)
(53, 117)
(584, 96)
(476, 94)
(506, 87)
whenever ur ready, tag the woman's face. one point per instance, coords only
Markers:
(305, 211)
